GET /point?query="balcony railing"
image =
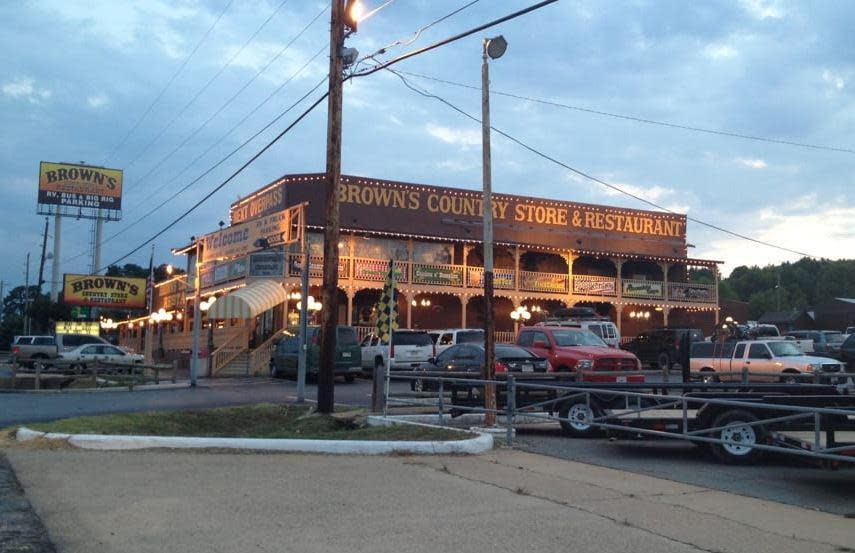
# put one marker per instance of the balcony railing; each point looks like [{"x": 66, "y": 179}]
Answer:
[{"x": 459, "y": 276}]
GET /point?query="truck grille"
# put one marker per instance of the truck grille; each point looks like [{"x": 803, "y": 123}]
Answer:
[
  {"x": 615, "y": 364},
  {"x": 830, "y": 367}
]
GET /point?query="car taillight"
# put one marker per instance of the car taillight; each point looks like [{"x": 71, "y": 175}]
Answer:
[
  {"x": 500, "y": 367},
  {"x": 16, "y": 350}
]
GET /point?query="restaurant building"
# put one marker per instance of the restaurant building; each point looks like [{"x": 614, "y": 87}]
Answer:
[{"x": 630, "y": 265}]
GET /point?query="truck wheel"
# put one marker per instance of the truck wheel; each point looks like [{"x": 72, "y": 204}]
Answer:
[
  {"x": 741, "y": 436},
  {"x": 577, "y": 412},
  {"x": 790, "y": 377},
  {"x": 664, "y": 360}
]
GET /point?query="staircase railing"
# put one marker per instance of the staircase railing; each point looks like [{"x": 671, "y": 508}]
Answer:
[
  {"x": 229, "y": 350},
  {"x": 260, "y": 356}
]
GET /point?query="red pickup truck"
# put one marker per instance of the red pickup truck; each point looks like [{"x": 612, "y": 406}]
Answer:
[{"x": 574, "y": 349}]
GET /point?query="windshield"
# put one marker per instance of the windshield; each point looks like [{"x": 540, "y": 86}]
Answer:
[
  {"x": 470, "y": 337},
  {"x": 509, "y": 352},
  {"x": 784, "y": 349},
  {"x": 834, "y": 337},
  {"x": 411, "y": 339},
  {"x": 577, "y": 338}
]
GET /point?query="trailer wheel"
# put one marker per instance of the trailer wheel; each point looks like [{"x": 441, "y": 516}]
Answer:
[
  {"x": 741, "y": 437},
  {"x": 577, "y": 411}
]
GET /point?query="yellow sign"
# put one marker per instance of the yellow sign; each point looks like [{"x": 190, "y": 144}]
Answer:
[
  {"x": 69, "y": 184},
  {"x": 282, "y": 227},
  {"x": 104, "y": 291},
  {"x": 78, "y": 327}
]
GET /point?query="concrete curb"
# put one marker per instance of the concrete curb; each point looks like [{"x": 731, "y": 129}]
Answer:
[{"x": 479, "y": 444}]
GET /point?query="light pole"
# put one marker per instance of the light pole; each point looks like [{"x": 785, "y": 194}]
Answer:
[
  {"x": 197, "y": 312},
  {"x": 492, "y": 48}
]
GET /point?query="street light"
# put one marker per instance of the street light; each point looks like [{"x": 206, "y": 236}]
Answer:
[{"x": 492, "y": 48}]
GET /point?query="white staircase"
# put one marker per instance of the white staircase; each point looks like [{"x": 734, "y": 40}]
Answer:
[{"x": 239, "y": 366}]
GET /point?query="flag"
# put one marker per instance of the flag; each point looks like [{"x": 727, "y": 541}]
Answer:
[
  {"x": 149, "y": 285},
  {"x": 387, "y": 307}
]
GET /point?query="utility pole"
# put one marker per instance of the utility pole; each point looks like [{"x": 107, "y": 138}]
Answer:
[
  {"x": 329, "y": 314},
  {"x": 304, "y": 320},
  {"x": 42, "y": 262},
  {"x": 54, "y": 267},
  {"x": 493, "y": 48},
  {"x": 27, "y": 297}
]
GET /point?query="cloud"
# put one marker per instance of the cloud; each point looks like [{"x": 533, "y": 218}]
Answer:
[
  {"x": 752, "y": 163},
  {"x": 24, "y": 88},
  {"x": 394, "y": 120},
  {"x": 763, "y": 9},
  {"x": 457, "y": 136},
  {"x": 97, "y": 101},
  {"x": 457, "y": 165},
  {"x": 650, "y": 193},
  {"x": 834, "y": 79},
  {"x": 720, "y": 51}
]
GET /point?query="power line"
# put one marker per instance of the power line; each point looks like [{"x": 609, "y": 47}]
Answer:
[
  {"x": 205, "y": 86},
  {"x": 233, "y": 97},
  {"x": 222, "y": 184},
  {"x": 547, "y": 157},
  {"x": 681, "y": 126},
  {"x": 168, "y": 84}
]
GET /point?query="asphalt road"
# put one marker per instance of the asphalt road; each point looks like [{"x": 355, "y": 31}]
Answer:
[
  {"x": 780, "y": 478},
  {"x": 19, "y": 408}
]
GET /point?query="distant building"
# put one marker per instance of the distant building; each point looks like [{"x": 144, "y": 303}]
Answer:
[
  {"x": 835, "y": 314},
  {"x": 788, "y": 320}
]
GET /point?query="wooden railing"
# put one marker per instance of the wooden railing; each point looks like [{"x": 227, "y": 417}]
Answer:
[
  {"x": 228, "y": 351},
  {"x": 259, "y": 358}
]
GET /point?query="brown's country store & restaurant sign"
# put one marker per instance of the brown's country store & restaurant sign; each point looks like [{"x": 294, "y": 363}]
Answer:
[{"x": 404, "y": 209}]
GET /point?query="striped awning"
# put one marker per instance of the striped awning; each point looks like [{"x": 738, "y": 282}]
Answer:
[{"x": 249, "y": 301}]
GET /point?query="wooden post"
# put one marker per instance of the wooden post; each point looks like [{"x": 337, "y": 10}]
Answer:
[{"x": 175, "y": 370}]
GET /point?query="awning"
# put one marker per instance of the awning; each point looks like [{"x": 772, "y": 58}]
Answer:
[{"x": 249, "y": 301}]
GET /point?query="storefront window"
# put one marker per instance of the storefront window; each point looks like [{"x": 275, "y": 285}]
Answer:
[
  {"x": 432, "y": 252},
  {"x": 380, "y": 248}
]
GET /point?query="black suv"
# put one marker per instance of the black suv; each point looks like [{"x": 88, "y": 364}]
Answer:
[{"x": 662, "y": 347}]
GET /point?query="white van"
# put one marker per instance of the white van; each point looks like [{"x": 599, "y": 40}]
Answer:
[{"x": 444, "y": 339}]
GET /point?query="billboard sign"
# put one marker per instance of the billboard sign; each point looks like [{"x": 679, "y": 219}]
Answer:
[
  {"x": 104, "y": 291},
  {"x": 80, "y": 186},
  {"x": 78, "y": 327},
  {"x": 282, "y": 227}
]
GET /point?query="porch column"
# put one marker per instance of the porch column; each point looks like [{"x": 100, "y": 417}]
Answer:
[
  {"x": 349, "y": 293},
  {"x": 619, "y": 278},
  {"x": 570, "y": 257},
  {"x": 410, "y": 299},
  {"x": 666, "y": 292},
  {"x": 463, "y": 301},
  {"x": 665, "y": 311},
  {"x": 466, "y": 250},
  {"x": 619, "y": 316},
  {"x": 516, "y": 268}
]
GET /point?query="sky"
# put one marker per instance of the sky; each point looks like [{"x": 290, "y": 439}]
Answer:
[{"x": 82, "y": 81}]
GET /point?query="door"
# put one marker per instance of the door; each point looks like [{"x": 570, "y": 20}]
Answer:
[
  {"x": 760, "y": 363},
  {"x": 89, "y": 353},
  {"x": 538, "y": 339}
]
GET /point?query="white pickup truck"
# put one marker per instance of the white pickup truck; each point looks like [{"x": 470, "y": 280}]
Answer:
[
  {"x": 410, "y": 348},
  {"x": 766, "y": 361}
]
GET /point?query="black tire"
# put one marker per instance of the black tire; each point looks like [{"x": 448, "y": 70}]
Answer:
[
  {"x": 577, "y": 410},
  {"x": 737, "y": 453},
  {"x": 349, "y": 378},
  {"x": 663, "y": 360},
  {"x": 790, "y": 377}
]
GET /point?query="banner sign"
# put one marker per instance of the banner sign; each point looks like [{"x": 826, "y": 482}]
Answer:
[
  {"x": 438, "y": 274},
  {"x": 594, "y": 287},
  {"x": 281, "y": 227},
  {"x": 104, "y": 291},
  {"x": 72, "y": 185},
  {"x": 376, "y": 269},
  {"x": 688, "y": 292},
  {"x": 502, "y": 278},
  {"x": 641, "y": 289},
  {"x": 270, "y": 263},
  {"x": 78, "y": 327},
  {"x": 543, "y": 282}
]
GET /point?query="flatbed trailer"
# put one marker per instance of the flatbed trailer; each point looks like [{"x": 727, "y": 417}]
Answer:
[{"x": 738, "y": 422}]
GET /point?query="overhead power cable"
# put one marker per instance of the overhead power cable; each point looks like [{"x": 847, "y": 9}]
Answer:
[
  {"x": 590, "y": 177},
  {"x": 219, "y": 187},
  {"x": 680, "y": 126},
  {"x": 167, "y": 85},
  {"x": 210, "y": 148},
  {"x": 233, "y": 97},
  {"x": 205, "y": 86}
]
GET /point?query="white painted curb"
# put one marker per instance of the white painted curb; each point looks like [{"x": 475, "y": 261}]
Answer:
[{"x": 472, "y": 446}]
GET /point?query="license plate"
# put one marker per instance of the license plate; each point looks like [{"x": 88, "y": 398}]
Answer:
[
  {"x": 621, "y": 379},
  {"x": 345, "y": 354},
  {"x": 527, "y": 368}
]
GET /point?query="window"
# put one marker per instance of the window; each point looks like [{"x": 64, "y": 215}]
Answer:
[
  {"x": 785, "y": 349},
  {"x": 610, "y": 330},
  {"x": 540, "y": 337},
  {"x": 470, "y": 337},
  {"x": 346, "y": 337},
  {"x": 740, "y": 351},
  {"x": 466, "y": 353},
  {"x": 433, "y": 336},
  {"x": 411, "y": 339},
  {"x": 90, "y": 350},
  {"x": 758, "y": 351},
  {"x": 526, "y": 339},
  {"x": 445, "y": 357},
  {"x": 288, "y": 345},
  {"x": 596, "y": 329},
  {"x": 576, "y": 338},
  {"x": 110, "y": 350},
  {"x": 446, "y": 339},
  {"x": 43, "y": 341},
  {"x": 367, "y": 340}
]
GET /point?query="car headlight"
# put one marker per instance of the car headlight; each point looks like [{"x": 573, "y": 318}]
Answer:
[
  {"x": 811, "y": 367},
  {"x": 584, "y": 364}
]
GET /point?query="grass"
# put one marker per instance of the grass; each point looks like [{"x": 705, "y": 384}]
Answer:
[{"x": 253, "y": 421}]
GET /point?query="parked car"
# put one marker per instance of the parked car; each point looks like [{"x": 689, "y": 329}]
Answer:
[
  {"x": 849, "y": 330},
  {"x": 574, "y": 349},
  {"x": 410, "y": 348},
  {"x": 444, "y": 339},
  {"x": 467, "y": 360},
  {"x": 82, "y": 356},
  {"x": 662, "y": 347},
  {"x": 28, "y": 349},
  {"x": 348, "y": 354},
  {"x": 825, "y": 342},
  {"x": 763, "y": 331},
  {"x": 847, "y": 352},
  {"x": 774, "y": 360}
]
